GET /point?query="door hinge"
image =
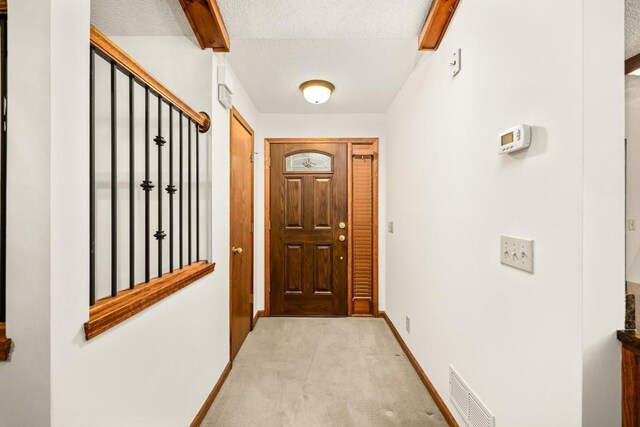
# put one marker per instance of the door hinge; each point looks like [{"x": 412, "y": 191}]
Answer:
[
  {"x": 269, "y": 161},
  {"x": 251, "y": 157},
  {"x": 269, "y": 224}
]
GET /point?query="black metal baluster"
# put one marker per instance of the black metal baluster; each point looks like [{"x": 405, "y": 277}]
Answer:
[
  {"x": 197, "y": 194},
  {"x": 159, "y": 140},
  {"x": 146, "y": 185},
  {"x": 181, "y": 196},
  {"x": 132, "y": 229},
  {"x": 189, "y": 189},
  {"x": 170, "y": 188},
  {"x": 114, "y": 183},
  {"x": 92, "y": 178}
]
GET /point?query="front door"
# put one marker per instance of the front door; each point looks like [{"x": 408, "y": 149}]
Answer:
[
  {"x": 241, "y": 236},
  {"x": 308, "y": 229}
]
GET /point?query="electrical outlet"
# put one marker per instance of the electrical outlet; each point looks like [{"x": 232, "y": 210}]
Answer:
[
  {"x": 407, "y": 325},
  {"x": 390, "y": 227},
  {"x": 632, "y": 224}
]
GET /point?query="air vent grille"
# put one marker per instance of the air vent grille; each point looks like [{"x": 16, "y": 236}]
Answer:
[{"x": 470, "y": 407}]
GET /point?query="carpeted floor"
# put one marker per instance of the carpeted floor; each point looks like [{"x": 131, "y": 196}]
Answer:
[{"x": 307, "y": 372}]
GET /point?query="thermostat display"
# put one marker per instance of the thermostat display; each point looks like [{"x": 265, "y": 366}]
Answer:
[{"x": 514, "y": 139}]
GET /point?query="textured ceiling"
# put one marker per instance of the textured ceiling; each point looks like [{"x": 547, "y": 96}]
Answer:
[
  {"x": 366, "y": 48},
  {"x": 632, "y": 28},
  {"x": 140, "y": 18},
  {"x": 367, "y": 74},
  {"x": 309, "y": 19}
]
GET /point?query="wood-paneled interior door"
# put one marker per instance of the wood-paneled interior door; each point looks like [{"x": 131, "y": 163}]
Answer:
[
  {"x": 241, "y": 231},
  {"x": 308, "y": 226}
]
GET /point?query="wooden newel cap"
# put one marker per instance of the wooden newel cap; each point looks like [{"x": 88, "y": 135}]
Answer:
[{"x": 204, "y": 127}]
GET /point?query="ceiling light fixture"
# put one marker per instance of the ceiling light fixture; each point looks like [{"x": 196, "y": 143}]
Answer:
[{"x": 317, "y": 91}]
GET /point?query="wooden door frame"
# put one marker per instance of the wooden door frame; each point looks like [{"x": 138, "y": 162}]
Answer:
[
  {"x": 373, "y": 144},
  {"x": 236, "y": 114}
]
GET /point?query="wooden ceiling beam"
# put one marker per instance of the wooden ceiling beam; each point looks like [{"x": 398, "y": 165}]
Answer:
[
  {"x": 208, "y": 26},
  {"x": 632, "y": 64},
  {"x": 436, "y": 24}
]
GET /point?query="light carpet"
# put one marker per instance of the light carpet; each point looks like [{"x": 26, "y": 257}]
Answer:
[{"x": 307, "y": 372}]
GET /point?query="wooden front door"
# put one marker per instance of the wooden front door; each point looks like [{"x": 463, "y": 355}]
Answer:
[
  {"x": 241, "y": 238},
  {"x": 308, "y": 229}
]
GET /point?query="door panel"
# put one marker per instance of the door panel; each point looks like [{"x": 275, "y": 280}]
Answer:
[
  {"x": 322, "y": 266},
  {"x": 322, "y": 205},
  {"x": 293, "y": 268},
  {"x": 293, "y": 206},
  {"x": 308, "y": 187},
  {"x": 241, "y": 233}
]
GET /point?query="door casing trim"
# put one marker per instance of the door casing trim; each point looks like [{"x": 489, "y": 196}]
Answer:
[
  {"x": 374, "y": 143},
  {"x": 235, "y": 114}
]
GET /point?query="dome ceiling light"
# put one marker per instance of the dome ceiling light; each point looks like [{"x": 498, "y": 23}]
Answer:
[{"x": 317, "y": 91}]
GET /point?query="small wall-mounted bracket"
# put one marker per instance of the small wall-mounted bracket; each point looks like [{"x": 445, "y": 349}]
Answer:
[{"x": 455, "y": 62}]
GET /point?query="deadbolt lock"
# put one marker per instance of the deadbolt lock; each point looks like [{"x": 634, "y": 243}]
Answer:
[
  {"x": 342, "y": 225},
  {"x": 342, "y": 238}
]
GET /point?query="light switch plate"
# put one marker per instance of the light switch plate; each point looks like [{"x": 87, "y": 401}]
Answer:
[
  {"x": 517, "y": 253},
  {"x": 390, "y": 227}
]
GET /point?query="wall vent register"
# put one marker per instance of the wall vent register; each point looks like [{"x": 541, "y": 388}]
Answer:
[{"x": 473, "y": 411}]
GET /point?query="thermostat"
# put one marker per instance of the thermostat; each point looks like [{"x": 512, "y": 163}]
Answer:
[{"x": 514, "y": 139}]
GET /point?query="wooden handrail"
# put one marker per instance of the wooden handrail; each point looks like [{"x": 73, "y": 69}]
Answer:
[{"x": 113, "y": 51}]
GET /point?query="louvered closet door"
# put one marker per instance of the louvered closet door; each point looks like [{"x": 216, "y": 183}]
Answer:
[
  {"x": 308, "y": 247},
  {"x": 362, "y": 229}
]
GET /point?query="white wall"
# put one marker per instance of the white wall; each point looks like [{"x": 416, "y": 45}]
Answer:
[
  {"x": 25, "y": 381},
  {"x": 172, "y": 352},
  {"x": 516, "y": 338},
  {"x": 310, "y": 126},
  {"x": 603, "y": 216},
  {"x": 175, "y": 350},
  {"x": 632, "y": 124}
]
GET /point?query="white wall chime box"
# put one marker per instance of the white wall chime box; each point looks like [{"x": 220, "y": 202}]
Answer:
[
  {"x": 514, "y": 139},
  {"x": 224, "y": 93}
]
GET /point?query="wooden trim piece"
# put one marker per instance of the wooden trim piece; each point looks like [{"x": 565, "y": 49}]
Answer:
[
  {"x": 108, "y": 312},
  {"x": 361, "y": 146},
  {"x": 259, "y": 314},
  {"x": 5, "y": 343},
  {"x": 202, "y": 413},
  {"x": 350, "y": 303},
  {"x": 630, "y": 387},
  {"x": 130, "y": 65},
  {"x": 207, "y": 24},
  {"x": 267, "y": 227},
  {"x": 423, "y": 376},
  {"x": 435, "y": 26},
  {"x": 235, "y": 114},
  {"x": 321, "y": 140},
  {"x": 632, "y": 64}
]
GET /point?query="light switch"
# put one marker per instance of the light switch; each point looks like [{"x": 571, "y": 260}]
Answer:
[
  {"x": 632, "y": 225},
  {"x": 517, "y": 253},
  {"x": 390, "y": 227}
]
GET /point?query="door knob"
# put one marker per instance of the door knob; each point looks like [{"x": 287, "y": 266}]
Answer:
[
  {"x": 342, "y": 238},
  {"x": 236, "y": 250}
]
